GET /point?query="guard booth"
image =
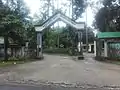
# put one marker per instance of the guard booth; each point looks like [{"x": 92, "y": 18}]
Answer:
[{"x": 107, "y": 45}]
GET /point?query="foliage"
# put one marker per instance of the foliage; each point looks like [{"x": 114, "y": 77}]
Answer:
[
  {"x": 108, "y": 17},
  {"x": 50, "y": 38},
  {"x": 13, "y": 14},
  {"x": 13, "y": 19},
  {"x": 78, "y": 8},
  {"x": 48, "y": 8},
  {"x": 31, "y": 37},
  {"x": 56, "y": 51},
  {"x": 68, "y": 37}
]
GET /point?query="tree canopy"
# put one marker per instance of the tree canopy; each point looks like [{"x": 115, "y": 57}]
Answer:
[
  {"x": 108, "y": 17},
  {"x": 13, "y": 22},
  {"x": 78, "y": 8},
  {"x": 13, "y": 14}
]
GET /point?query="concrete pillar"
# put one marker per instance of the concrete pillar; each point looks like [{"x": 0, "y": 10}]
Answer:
[
  {"x": 95, "y": 48},
  {"x": 79, "y": 42},
  {"x": 39, "y": 44},
  {"x": 105, "y": 49},
  {"x": 80, "y": 51},
  {"x": 79, "y": 45},
  {"x": 89, "y": 48}
]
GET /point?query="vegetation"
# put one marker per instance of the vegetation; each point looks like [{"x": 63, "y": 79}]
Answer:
[
  {"x": 63, "y": 40},
  {"x": 16, "y": 23},
  {"x": 60, "y": 37},
  {"x": 14, "y": 17},
  {"x": 108, "y": 17},
  {"x": 78, "y": 8}
]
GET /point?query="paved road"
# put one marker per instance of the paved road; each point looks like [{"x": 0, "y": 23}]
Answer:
[{"x": 63, "y": 70}]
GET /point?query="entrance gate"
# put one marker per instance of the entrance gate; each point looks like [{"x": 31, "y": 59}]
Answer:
[{"x": 56, "y": 17}]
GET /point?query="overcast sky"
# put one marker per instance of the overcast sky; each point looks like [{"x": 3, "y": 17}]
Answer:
[{"x": 34, "y": 5}]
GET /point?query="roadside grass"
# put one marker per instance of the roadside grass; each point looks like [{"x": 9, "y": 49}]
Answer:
[
  {"x": 113, "y": 62},
  {"x": 9, "y": 63},
  {"x": 108, "y": 60},
  {"x": 14, "y": 61}
]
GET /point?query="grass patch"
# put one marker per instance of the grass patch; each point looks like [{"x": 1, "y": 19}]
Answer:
[
  {"x": 14, "y": 61},
  {"x": 8, "y": 63},
  {"x": 108, "y": 60},
  {"x": 113, "y": 62}
]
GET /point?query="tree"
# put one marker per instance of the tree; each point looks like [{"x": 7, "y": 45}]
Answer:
[
  {"x": 108, "y": 17},
  {"x": 13, "y": 20},
  {"x": 78, "y": 7}
]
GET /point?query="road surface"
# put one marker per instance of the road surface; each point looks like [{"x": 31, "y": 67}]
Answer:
[{"x": 64, "y": 71}]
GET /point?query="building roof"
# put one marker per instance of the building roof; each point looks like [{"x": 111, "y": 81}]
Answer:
[{"x": 108, "y": 35}]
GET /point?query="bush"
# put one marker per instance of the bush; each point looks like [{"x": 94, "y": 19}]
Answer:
[
  {"x": 68, "y": 51},
  {"x": 56, "y": 51}
]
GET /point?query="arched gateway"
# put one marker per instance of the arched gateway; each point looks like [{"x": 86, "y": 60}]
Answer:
[{"x": 56, "y": 17}]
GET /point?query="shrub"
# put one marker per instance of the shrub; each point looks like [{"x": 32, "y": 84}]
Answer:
[
  {"x": 56, "y": 51},
  {"x": 68, "y": 51}
]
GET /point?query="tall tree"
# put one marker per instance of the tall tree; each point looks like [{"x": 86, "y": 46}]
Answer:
[
  {"x": 108, "y": 17},
  {"x": 12, "y": 20},
  {"x": 78, "y": 7}
]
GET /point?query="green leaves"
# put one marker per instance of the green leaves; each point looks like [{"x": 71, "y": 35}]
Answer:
[
  {"x": 107, "y": 18},
  {"x": 10, "y": 19},
  {"x": 78, "y": 8},
  {"x": 13, "y": 21}
]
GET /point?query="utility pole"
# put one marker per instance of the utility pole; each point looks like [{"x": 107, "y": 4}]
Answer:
[
  {"x": 58, "y": 23},
  {"x": 86, "y": 32},
  {"x": 48, "y": 8},
  {"x": 72, "y": 8}
]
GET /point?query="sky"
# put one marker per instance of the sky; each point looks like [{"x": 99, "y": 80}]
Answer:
[{"x": 34, "y": 6}]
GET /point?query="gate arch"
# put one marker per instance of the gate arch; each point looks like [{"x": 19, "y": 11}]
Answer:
[{"x": 51, "y": 20}]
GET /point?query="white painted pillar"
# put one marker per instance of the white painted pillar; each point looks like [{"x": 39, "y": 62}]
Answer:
[
  {"x": 95, "y": 48},
  {"x": 89, "y": 48},
  {"x": 79, "y": 45},
  {"x": 79, "y": 42},
  {"x": 105, "y": 49}
]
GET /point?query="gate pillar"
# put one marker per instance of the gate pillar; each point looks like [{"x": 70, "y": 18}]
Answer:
[
  {"x": 80, "y": 50},
  {"x": 39, "y": 45}
]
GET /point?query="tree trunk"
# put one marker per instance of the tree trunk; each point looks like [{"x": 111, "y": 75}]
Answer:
[{"x": 6, "y": 47}]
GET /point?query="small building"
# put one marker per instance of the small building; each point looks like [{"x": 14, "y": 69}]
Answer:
[{"x": 108, "y": 45}]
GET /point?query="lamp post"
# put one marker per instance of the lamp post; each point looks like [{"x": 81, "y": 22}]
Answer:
[{"x": 39, "y": 42}]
